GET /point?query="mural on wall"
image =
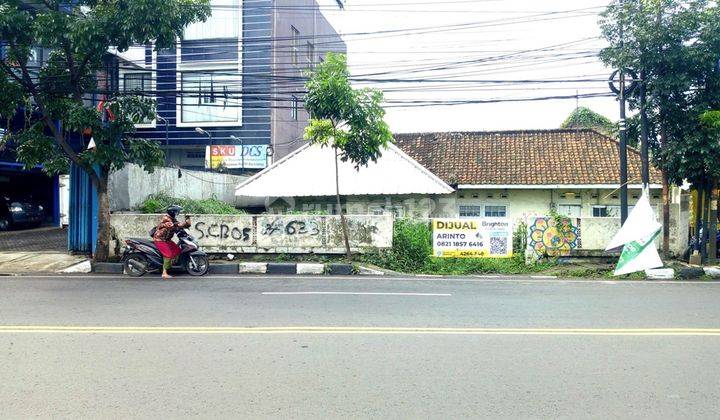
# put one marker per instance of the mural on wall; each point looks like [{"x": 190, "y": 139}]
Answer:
[{"x": 548, "y": 237}]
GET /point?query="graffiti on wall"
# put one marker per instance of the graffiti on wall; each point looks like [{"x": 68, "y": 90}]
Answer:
[
  {"x": 548, "y": 237},
  {"x": 291, "y": 227},
  {"x": 300, "y": 233},
  {"x": 221, "y": 231}
]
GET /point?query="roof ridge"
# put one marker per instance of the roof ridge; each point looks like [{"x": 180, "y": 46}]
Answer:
[{"x": 539, "y": 130}]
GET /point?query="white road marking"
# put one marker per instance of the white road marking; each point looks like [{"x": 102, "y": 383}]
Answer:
[
  {"x": 357, "y": 293},
  {"x": 660, "y": 332}
]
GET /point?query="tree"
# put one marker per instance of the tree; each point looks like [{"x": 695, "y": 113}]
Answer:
[
  {"x": 583, "y": 117},
  {"x": 351, "y": 121},
  {"x": 676, "y": 44},
  {"x": 79, "y": 35}
]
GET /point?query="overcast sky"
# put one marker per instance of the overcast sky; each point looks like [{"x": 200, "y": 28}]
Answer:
[{"x": 465, "y": 44}]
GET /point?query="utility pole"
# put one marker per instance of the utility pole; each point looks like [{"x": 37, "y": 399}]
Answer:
[
  {"x": 622, "y": 90},
  {"x": 623, "y": 153},
  {"x": 644, "y": 147},
  {"x": 623, "y": 131}
]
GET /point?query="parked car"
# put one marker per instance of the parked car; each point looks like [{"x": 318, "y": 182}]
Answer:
[{"x": 20, "y": 212}]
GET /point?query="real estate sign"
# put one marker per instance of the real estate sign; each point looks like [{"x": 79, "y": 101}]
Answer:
[
  {"x": 236, "y": 156},
  {"x": 489, "y": 237}
]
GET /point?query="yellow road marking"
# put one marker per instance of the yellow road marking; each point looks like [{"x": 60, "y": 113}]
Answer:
[{"x": 52, "y": 329}]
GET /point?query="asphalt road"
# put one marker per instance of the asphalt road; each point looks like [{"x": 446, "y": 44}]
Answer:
[{"x": 358, "y": 348}]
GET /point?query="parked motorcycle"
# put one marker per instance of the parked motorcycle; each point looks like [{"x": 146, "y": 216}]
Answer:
[{"x": 141, "y": 256}]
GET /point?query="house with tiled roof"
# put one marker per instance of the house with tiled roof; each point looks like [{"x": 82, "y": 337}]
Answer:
[
  {"x": 502, "y": 174},
  {"x": 519, "y": 173}
]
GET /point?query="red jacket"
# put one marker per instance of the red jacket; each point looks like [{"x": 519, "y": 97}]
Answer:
[{"x": 167, "y": 228}]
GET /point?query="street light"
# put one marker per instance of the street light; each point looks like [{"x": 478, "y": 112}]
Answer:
[{"x": 205, "y": 133}]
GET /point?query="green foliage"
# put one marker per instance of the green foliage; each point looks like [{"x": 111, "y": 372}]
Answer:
[
  {"x": 677, "y": 43},
  {"x": 583, "y": 117},
  {"x": 412, "y": 245},
  {"x": 348, "y": 119},
  {"x": 412, "y": 253},
  {"x": 520, "y": 236},
  {"x": 157, "y": 203},
  {"x": 464, "y": 266},
  {"x": 79, "y": 38},
  {"x": 79, "y": 35}
]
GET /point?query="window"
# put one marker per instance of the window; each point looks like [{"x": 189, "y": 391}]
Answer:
[
  {"x": 294, "y": 108},
  {"x": 207, "y": 97},
  {"x": 570, "y": 210},
  {"x": 137, "y": 82},
  {"x": 397, "y": 211},
  {"x": 614, "y": 210},
  {"x": 310, "y": 54},
  {"x": 195, "y": 154},
  {"x": 224, "y": 22},
  {"x": 470, "y": 211},
  {"x": 495, "y": 211},
  {"x": 600, "y": 211},
  {"x": 295, "y": 53}
]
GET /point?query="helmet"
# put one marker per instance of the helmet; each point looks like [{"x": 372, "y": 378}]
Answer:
[{"x": 173, "y": 210}]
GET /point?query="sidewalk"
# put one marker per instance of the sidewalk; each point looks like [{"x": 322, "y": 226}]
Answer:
[
  {"x": 36, "y": 262},
  {"x": 44, "y": 239}
]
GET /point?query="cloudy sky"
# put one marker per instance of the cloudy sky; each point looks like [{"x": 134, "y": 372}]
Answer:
[{"x": 429, "y": 54}]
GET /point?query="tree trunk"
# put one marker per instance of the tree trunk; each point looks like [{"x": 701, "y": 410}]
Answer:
[
  {"x": 343, "y": 221},
  {"x": 666, "y": 202},
  {"x": 712, "y": 226},
  {"x": 699, "y": 235},
  {"x": 666, "y": 215},
  {"x": 102, "y": 246}
]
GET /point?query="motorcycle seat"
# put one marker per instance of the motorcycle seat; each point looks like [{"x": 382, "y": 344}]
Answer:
[{"x": 144, "y": 241}]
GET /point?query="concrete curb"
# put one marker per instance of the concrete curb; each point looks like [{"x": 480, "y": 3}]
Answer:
[
  {"x": 83, "y": 267},
  {"x": 260, "y": 268},
  {"x": 310, "y": 268},
  {"x": 341, "y": 269},
  {"x": 281, "y": 268},
  {"x": 223, "y": 269},
  {"x": 691, "y": 272},
  {"x": 107, "y": 268},
  {"x": 713, "y": 272},
  {"x": 252, "y": 268}
]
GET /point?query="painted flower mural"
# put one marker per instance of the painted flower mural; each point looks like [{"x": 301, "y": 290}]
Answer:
[{"x": 553, "y": 238}]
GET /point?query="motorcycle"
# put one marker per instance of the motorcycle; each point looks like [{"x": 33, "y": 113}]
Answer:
[{"x": 141, "y": 256}]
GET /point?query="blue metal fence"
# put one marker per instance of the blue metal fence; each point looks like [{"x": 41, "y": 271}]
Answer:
[{"x": 82, "y": 225}]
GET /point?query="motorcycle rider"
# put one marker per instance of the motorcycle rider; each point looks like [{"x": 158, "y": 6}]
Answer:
[{"x": 164, "y": 232}]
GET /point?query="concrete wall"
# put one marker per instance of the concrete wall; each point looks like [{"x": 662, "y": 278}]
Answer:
[
  {"x": 131, "y": 185},
  {"x": 269, "y": 233},
  {"x": 594, "y": 233}
]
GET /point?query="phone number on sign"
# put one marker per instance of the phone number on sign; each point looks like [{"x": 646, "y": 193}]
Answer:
[{"x": 460, "y": 244}]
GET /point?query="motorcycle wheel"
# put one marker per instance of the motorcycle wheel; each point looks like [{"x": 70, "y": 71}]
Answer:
[
  {"x": 135, "y": 265},
  {"x": 201, "y": 267}
]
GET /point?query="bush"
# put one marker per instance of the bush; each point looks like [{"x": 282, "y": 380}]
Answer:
[
  {"x": 412, "y": 253},
  {"x": 412, "y": 245},
  {"x": 411, "y": 250},
  {"x": 520, "y": 237},
  {"x": 157, "y": 203}
]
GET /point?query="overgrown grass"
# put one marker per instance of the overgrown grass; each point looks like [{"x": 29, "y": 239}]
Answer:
[
  {"x": 412, "y": 253},
  {"x": 157, "y": 203}
]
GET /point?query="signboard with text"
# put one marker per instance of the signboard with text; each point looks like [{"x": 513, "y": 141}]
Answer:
[
  {"x": 489, "y": 237},
  {"x": 252, "y": 156}
]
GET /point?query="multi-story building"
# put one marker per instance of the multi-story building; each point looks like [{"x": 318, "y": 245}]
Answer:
[{"x": 236, "y": 79}]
